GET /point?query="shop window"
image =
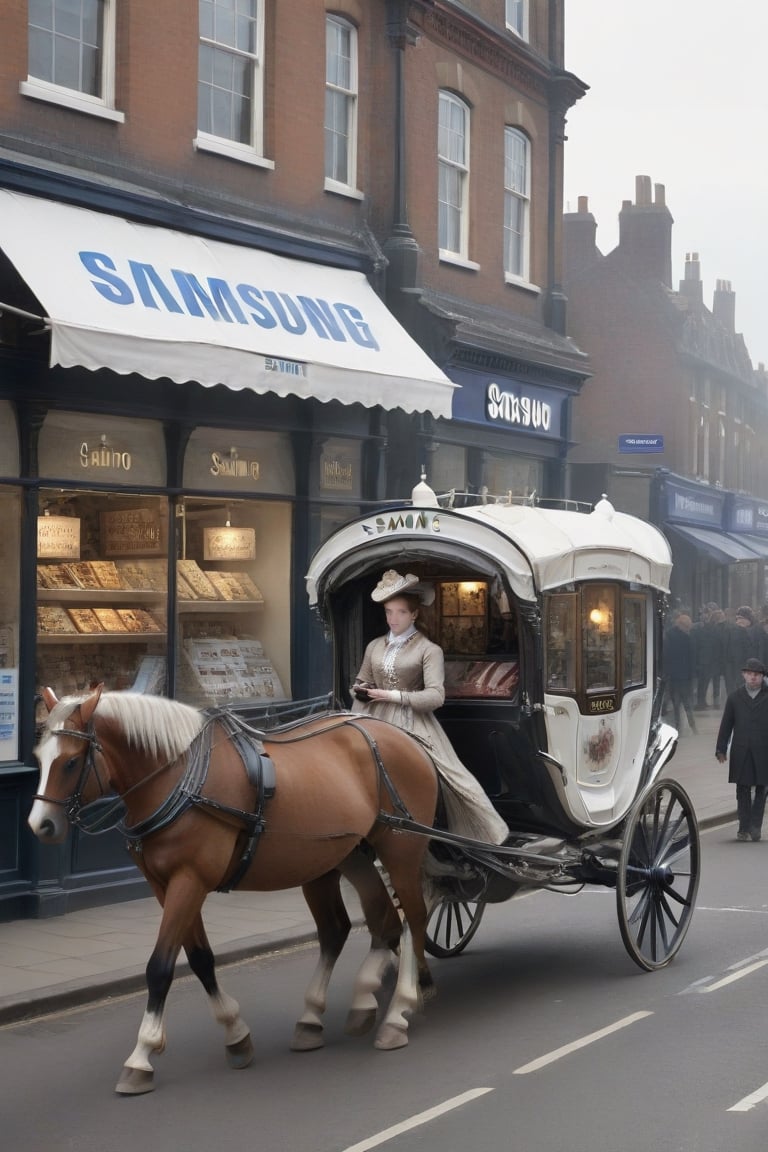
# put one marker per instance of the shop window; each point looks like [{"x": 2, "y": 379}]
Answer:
[
  {"x": 102, "y": 575},
  {"x": 10, "y": 542},
  {"x": 519, "y": 475},
  {"x": 233, "y": 601},
  {"x": 448, "y": 469}
]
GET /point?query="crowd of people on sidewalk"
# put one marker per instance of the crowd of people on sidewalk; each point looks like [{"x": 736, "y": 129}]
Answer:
[
  {"x": 721, "y": 662},
  {"x": 703, "y": 660}
]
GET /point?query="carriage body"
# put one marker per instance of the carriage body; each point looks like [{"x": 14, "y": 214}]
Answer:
[{"x": 550, "y": 621}]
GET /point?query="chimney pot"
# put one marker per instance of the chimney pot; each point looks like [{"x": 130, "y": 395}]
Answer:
[
  {"x": 659, "y": 195},
  {"x": 583, "y": 205},
  {"x": 643, "y": 191}
]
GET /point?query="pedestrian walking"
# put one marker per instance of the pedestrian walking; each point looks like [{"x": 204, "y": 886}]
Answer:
[
  {"x": 744, "y": 641},
  {"x": 707, "y": 640},
  {"x": 679, "y": 669},
  {"x": 745, "y": 727}
]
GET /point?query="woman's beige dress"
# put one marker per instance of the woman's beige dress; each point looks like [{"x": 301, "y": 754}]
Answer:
[{"x": 415, "y": 668}]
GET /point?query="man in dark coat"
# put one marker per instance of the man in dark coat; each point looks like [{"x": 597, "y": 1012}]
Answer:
[
  {"x": 745, "y": 725},
  {"x": 678, "y": 668}
]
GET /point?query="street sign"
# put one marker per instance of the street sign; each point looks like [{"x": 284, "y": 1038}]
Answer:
[{"x": 641, "y": 443}]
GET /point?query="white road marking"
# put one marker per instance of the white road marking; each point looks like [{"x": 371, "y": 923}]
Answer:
[
  {"x": 418, "y": 1120},
  {"x": 566, "y": 1050},
  {"x": 746, "y": 971},
  {"x": 750, "y": 1101}
]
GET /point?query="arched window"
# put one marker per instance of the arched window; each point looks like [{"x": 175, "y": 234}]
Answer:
[
  {"x": 517, "y": 182},
  {"x": 453, "y": 175}
]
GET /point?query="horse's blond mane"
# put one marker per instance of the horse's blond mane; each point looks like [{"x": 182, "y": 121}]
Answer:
[{"x": 164, "y": 728}]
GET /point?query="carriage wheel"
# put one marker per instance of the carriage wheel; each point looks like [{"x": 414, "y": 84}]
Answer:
[
  {"x": 658, "y": 874},
  {"x": 452, "y": 923}
]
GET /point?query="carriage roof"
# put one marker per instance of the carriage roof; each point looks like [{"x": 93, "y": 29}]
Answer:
[{"x": 539, "y": 548}]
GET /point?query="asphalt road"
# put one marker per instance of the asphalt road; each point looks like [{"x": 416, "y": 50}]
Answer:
[{"x": 545, "y": 1037}]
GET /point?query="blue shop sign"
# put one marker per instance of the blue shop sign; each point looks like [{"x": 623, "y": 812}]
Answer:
[
  {"x": 505, "y": 403},
  {"x": 693, "y": 504},
  {"x": 641, "y": 443}
]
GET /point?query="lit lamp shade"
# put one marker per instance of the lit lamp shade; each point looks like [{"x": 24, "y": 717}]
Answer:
[
  {"x": 58, "y": 538},
  {"x": 229, "y": 543}
]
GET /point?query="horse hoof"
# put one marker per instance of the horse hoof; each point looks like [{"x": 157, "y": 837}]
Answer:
[
  {"x": 135, "y": 1082},
  {"x": 240, "y": 1055},
  {"x": 389, "y": 1038},
  {"x": 360, "y": 1021},
  {"x": 307, "y": 1037}
]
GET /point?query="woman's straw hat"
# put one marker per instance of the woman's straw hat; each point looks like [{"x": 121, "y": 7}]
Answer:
[{"x": 393, "y": 583}]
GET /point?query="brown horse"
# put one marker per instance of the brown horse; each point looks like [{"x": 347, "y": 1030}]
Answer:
[{"x": 194, "y": 802}]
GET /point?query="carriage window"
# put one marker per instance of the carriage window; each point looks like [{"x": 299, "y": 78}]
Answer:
[
  {"x": 634, "y": 641},
  {"x": 560, "y": 643},
  {"x": 599, "y": 646}
]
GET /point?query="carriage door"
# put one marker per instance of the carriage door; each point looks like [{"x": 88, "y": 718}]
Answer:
[{"x": 598, "y": 691}]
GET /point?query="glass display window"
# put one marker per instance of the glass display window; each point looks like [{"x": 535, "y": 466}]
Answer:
[
  {"x": 448, "y": 469},
  {"x": 10, "y": 543},
  {"x": 473, "y": 623},
  {"x": 519, "y": 475},
  {"x": 9, "y": 440},
  {"x": 102, "y": 580},
  {"x": 233, "y": 601}
]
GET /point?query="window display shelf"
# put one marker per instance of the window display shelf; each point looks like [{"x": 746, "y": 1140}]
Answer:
[
  {"x": 101, "y": 638},
  {"x": 90, "y": 596},
  {"x": 218, "y": 607}
]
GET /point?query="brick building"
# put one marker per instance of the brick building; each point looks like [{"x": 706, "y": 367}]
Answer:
[
  {"x": 671, "y": 422},
  {"x": 259, "y": 262}
]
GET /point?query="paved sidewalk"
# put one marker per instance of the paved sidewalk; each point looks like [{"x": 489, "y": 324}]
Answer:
[{"x": 58, "y": 963}]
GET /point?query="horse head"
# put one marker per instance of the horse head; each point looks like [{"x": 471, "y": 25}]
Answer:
[{"x": 69, "y": 777}]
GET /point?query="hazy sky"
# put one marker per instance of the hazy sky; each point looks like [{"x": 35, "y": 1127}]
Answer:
[{"x": 678, "y": 92}]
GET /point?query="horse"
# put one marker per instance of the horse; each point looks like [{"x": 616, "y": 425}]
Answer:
[{"x": 193, "y": 789}]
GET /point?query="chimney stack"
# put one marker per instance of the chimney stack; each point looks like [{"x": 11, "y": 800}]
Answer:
[
  {"x": 724, "y": 305},
  {"x": 691, "y": 287},
  {"x": 645, "y": 233},
  {"x": 579, "y": 232}
]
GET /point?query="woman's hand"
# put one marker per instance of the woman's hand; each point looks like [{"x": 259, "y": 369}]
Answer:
[{"x": 383, "y": 695}]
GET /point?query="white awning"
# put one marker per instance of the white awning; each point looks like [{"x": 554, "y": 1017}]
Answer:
[{"x": 137, "y": 298}]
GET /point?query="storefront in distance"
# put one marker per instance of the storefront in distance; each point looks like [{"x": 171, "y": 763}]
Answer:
[{"x": 182, "y": 421}]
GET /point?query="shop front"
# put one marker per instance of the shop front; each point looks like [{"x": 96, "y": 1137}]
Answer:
[
  {"x": 710, "y": 562},
  {"x": 182, "y": 422}
]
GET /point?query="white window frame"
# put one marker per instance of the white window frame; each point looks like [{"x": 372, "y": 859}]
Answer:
[
  {"x": 516, "y": 17},
  {"x": 252, "y": 152},
  {"x": 519, "y": 191},
  {"x": 458, "y": 166},
  {"x": 346, "y": 187},
  {"x": 102, "y": 106}
]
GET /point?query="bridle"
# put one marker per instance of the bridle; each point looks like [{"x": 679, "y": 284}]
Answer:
[{"x": 73, "y": 805}]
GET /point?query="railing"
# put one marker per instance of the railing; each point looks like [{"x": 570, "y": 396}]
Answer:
[{"x": 266, "y": 716}]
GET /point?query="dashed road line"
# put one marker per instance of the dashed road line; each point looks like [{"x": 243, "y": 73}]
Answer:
[
  {"x": 749, "y": 1102},
  {"x": 418, "y": 1120},
  {"x": 575, "y": 1045}
]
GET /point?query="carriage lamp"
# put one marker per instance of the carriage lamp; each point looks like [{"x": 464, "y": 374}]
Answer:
[{"x": 58, "y": 537}]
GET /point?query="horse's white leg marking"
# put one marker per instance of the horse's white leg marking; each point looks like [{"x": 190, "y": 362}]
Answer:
[
  {"x": 362, "y": 1012},
  {"x": 308, "y": 1033},
  {"x": 226, "y": 1011},
  {"x": 316, "y": 995},
  {"x": 393, "y": 1032},
  {"x": 151, "y": 1039}
]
